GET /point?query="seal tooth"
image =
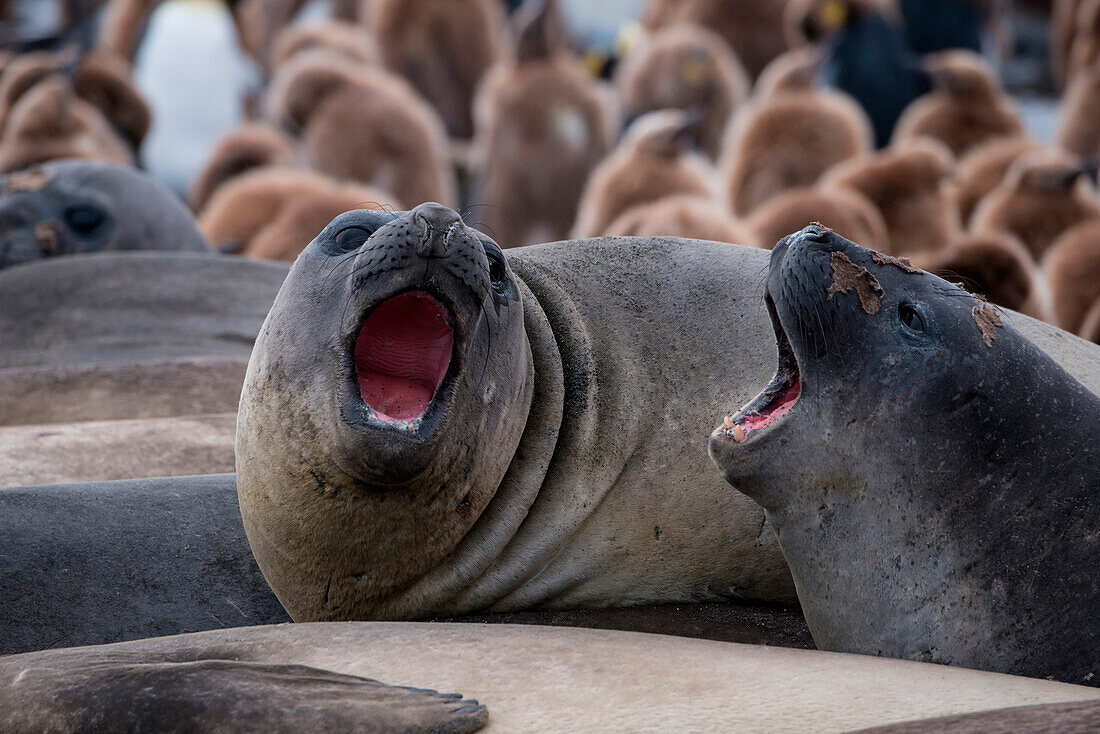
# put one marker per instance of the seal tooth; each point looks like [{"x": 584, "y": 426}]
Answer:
[
  {"x": 739, "y": 434},
  {"x": 727, "y": 422}
]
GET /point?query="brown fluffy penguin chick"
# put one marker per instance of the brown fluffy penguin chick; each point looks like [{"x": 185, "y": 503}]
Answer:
[
  {"x": 1044, "y": 193},
  {"x": 983, "y": 168},
  {"x": 363, "y": 124},
  {"x": 689, "y": 68},
  {"x": 443, "y": 47},
  {"x": 542, "y": 126},
  {"x": 651, "y": 161},
  {"x": 845, "y": 211},
  {"x": 346, "y": 39},
  {"x": 993, "y": 265},
  {"x": 966, "y": 107},
  {"x": 808, "y": 22},
  {"x": 273, "y": 213},
  {"x": 1063, "y": 31},
  {"x": 789, "y": 142},
  {"x": 258, "y": 22},
  {"x": 684, "y": 215},
  {"x": 1073, "y": 273},
  {"x": 1090, "y": 327},
  {"x": 1079, "y": 127},
  {"x": 252, "y": 145},
  {"x": 910, "y": 186},
  {"x": 752, "y": 28},
  {"x": 796, "y": 71},
  {"x": 1085, "y": 50},
  {"x": 121, "y": 25}
]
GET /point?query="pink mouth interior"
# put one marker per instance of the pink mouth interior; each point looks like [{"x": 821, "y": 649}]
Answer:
[
  {"x": 783, "y": 403},
  {"x": 402, "y": 355}
]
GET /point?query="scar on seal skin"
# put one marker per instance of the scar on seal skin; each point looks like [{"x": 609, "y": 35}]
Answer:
[
  {"x": 31, "y": 179},
  {"x": 902, "y": 262},
  {"x": 987, "y": 319},
  {"x": 847, "y": 275}
]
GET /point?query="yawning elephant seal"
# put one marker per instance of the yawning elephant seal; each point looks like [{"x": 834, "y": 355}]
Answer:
[
  {"x": 931, "y": 473},
  {"x": 428, "y": 428}
]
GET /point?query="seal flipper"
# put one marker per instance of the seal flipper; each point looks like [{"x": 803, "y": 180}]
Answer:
[{"x": 65, "y": 695}]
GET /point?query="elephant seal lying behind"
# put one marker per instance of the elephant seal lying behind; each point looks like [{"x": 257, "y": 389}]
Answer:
[
  {"x": 131, "y": 306},
  {"x": 531, "y": 679},
  {"x": 931, "y": 472},
  {"x": 93, "y": 451},
  {"x": 74, "y": 207},
  {"x": 428, "y": 428}
]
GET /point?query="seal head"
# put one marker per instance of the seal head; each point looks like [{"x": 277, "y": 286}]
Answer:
[
  {"x": 395, "y": 364},
  {"x": 929, "y": 471}
]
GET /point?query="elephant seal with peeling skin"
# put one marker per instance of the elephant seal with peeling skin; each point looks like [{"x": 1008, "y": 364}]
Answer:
[
  {"x": 530, "y": 679},
  {"x": 74, "y": 207},
  {"x": 428, "y": 428},
  {"x": 931, "y": 473}
]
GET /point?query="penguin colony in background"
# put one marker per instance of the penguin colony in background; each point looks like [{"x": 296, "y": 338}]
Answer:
[{"x": 727, "y": 120}]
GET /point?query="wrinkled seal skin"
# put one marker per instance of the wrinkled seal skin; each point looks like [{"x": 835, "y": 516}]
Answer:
[
  {"x": 80, "y": 206},
  {"x": 558, "y": 467},
  {"x": 935, "y": 497}
]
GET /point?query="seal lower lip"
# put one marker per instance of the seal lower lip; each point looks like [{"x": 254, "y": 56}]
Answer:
[
  {"x": 402, "y": 354},
  {"x": 777, "y": 399}
]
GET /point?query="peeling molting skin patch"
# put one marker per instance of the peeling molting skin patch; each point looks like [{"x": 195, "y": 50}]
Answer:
[
  {"x": 847, "y": 275},
  {"x": 32, "y": 179},
  {"x": 46, "y": 234},
  {"x": 902, "y": 262},
  {"x": 987, "y": 319}
]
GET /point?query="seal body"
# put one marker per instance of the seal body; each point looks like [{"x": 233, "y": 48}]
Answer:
[
  {"x": 553, "y": 465},
  {"x": 942, "y": 505},
  {"x": 531, "y": 679}
]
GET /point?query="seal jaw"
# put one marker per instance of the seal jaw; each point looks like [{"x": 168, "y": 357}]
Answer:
[{"x": 774, "y": 401}]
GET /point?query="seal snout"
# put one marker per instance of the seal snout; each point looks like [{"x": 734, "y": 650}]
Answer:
[{"x": 436, "y": 226}]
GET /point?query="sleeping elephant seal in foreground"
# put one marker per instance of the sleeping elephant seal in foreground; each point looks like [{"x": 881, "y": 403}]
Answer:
[
  {"x": 315, "y": 677},
  {"x": 82, "y": 206},
  {"x": 429, "y": 428},
  {"x": 931, "y": 473}
]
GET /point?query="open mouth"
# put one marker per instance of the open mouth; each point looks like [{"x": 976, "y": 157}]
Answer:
[
  {"x": 402, "y": 354},
  {"x": 777, "y": 399}
]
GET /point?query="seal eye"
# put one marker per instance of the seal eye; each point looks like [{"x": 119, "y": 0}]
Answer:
[
  {"x": 911, "y": 317},
  {"x": 84, "y": 219},
  {"x": 351, "y": 237},
  {"x": 497, "y": 274}
]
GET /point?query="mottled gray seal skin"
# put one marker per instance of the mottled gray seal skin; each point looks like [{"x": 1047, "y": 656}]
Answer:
[
  {"x": 550, "y": 466},
  {"x": 74, "y": 207},
  {"x": 133, "y": 306},
  {"x": 931, "y": 473},
  {"x": 108, "y": 561}
]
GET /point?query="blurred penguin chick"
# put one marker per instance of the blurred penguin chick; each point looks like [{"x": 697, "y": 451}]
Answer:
[
  {"x": 363, "y": 124},
  {"x": 910, "y": 185},
  {"x": 843, "y": 210},
  {"x": 682, "y": 215},
  {"x": 50, "y": 109},
  {"x": 542, "y": 126},
  {"x": 797, "y": 70},
  {"x": 346, "y": 39},
  {"x": 653, "y": 160},
  {"x": 252, "y": 145},
  {"x": 993, "y": 265},
  {"x": 983, "y": 168},
  {"x": 789, "y": 142},
  {"x": 1044, "y": 193},
  {"x": 273, "y": 213},
  {"x": 688, "y": 68},
  {"x": 442, "y": 47},
  {"x": 1073, "y": 272},
  {"x": 1079, "y": 127},
  {"x": 965, "y": 108},
  {"x": 754, "y": 29}
]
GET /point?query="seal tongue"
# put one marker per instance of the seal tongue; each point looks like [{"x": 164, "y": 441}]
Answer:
[{"x": 402, "y": 355}]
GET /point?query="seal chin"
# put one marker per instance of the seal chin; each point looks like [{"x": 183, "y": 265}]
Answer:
[
  {"x": 776, "y": 400},
  {"x": 403, "y": 353}
]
